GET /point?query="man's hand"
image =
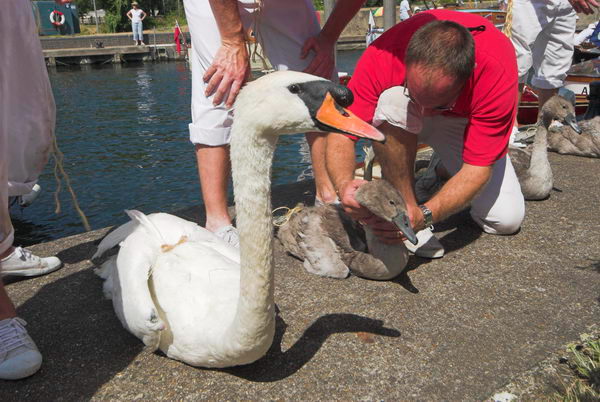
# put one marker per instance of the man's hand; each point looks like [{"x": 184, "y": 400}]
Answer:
[
  {"x": 228, "y": 72},
  {"x": 386, "y": 232},
  {"x": 416, "y": 218},
  {"x": 324, "y": 61},
  {"x": 584, "y": 6},
  {"x": 351, "y": 206}
]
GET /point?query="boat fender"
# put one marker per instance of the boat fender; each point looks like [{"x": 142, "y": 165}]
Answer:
[{"x": 57, "y": 18}]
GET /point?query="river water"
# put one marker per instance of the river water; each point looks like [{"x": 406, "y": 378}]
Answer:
[{"x": 123, "y": 131}]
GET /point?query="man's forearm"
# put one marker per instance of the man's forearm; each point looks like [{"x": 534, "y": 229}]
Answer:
[
  {"x": 459, "y": 191},
  {"x": 341, "y": 15},
  {"x": 228, "y": 20},
  {"x": 340, "y": 159}
]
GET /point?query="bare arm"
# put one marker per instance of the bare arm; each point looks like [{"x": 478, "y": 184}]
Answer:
[
  {"x": 231, "y": 66},
  {"x": 324, "y": 43},
  {"x": 457, "y": 193},
  {"x": 129, "y": 14},
  {"x": 143, "y": 15},
  {"x": 340, "y": 167}
]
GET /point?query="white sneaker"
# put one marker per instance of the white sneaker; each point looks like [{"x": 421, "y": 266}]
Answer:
[
  {"x": 23, "y": 262},
  {"x": 230, "y": 234},
  {"x": 427, "y": 247},
  {"x": 19, "y": 357}
]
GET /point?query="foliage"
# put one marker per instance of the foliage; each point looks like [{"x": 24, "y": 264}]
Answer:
[
  {"x": 320, "y": 4},
  {"x": 166, "y": 23},
  {"x": 160, "y": 13},
  {"x": 116, "y": 19},
  {"x": 584, "y": 362}
]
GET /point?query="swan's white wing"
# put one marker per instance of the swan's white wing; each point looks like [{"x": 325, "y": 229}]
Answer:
[
  {"x": 163, "y": 248},
  {"x": 115, "y": 237},
  {"x": 131, "y": 296},
  {"x": 196, "y": 289}
]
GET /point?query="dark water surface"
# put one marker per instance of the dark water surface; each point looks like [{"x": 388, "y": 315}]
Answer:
[{"x": 123, "y": 131}]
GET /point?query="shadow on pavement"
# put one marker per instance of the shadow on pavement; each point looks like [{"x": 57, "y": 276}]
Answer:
[
  {"x": 277, "y": 364},
  {"x": 82, "y": 342}
]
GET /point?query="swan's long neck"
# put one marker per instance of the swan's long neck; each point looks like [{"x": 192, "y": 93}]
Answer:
[
  {"x": 251, "y": 155},
  {"x": 539, "y": 164}
]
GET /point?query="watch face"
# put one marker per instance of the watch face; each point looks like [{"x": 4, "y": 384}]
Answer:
[{"x": 427, "y": 215}]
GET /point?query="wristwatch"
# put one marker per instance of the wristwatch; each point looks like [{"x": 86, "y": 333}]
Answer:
[{"x": 427, "y": 216}]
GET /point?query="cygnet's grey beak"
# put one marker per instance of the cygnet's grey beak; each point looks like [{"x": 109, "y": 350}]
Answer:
[
  {"x": 571, "y": 121},
  {"x": 403, "y": 224}
]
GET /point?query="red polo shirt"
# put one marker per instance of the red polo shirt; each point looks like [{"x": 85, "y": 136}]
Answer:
[{"x": 488, "y": 100}]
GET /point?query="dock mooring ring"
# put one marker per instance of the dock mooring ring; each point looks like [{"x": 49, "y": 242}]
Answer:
[{"x": 53, "y": 18}]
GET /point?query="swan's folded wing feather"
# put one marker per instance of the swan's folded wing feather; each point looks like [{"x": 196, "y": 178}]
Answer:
[{"x": 197, "y": 289}]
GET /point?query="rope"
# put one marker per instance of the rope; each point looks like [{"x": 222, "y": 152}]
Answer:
[
  {"x": 258, "y": 36},
  {"x": 507, "y": 29},
  {"x": 60, "y": 170},
  {"x": 283, "y": 219}
]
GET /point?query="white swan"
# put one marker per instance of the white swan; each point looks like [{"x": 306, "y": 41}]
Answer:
[{"x": 182, "y": 290}]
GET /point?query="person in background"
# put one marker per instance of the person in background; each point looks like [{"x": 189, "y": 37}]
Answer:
[
  {"x": 405, "y": 11},
  {"x": 291, "y": 38},
  {"x": 447, "y": 79},
  {"x": 27, "y": 117},
  {"x": 543, "y": 36},
  {"x": 137, "y": 15}
]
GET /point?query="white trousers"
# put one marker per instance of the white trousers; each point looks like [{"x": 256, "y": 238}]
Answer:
[
  {"x": 500, "y": 207},
  {"x": 27, "y": 111},
  {"x": 281, "y": 27},
  {"x": 543, "y": 36}
]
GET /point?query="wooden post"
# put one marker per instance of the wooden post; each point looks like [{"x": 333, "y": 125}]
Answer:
[{"x": 389, "y": 14}]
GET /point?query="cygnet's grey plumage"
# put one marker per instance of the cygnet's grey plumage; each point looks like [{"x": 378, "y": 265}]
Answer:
[
  {"x": 531, "y": 164},
  {"x": 329, "y": 242},
  {"x": 565, "y": 140}
]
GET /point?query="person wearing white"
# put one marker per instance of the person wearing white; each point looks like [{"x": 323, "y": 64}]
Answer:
[
  {"x": 291, "y": 38},
  {"x": 27, "y": 116},
  {"x": 405, "y": 11},
  {"x": 543, "y": 36},
  {"x": 137, "y": 15}
]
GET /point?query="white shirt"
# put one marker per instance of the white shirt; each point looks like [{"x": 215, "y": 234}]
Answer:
[
  {"x": 404, "y": 9},
  {"x": 136, "y": 14}
]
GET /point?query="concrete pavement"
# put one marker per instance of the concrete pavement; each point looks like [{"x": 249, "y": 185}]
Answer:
[{"x": 459, "y": 328}]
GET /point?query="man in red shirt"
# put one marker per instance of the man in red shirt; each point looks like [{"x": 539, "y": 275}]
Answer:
[{"x": 447, "y": 79}]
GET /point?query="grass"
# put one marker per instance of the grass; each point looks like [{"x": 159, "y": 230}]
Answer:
[{"x": 584, "y": 366}]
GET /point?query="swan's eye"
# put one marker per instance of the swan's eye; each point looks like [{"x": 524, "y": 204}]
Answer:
[{"x": 294, "y": 88}]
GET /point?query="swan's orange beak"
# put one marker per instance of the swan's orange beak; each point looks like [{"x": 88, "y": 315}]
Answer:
[{"x": 345, "y": 121}]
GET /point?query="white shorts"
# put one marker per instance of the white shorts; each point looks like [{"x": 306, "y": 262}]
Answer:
[
  {"x": 27, "y": 111},
  {"x": 281, "y": 27},
  {"x": 500, "y": 207},
  {"x": 543, "y": 36}
]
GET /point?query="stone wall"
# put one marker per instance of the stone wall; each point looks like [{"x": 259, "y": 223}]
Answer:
[{"x": 121, "y": 39}]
